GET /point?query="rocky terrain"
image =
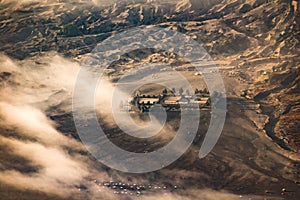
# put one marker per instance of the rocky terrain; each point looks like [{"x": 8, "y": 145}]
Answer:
[{"x": 256, "y": 44}]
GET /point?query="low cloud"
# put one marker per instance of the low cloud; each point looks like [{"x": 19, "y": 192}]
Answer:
[
  {"x": 33, "y": 123},
  {"x": 58, "y": 172},
  {"x": 61, "y": 168}
]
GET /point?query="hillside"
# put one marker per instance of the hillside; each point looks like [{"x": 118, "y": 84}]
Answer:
[{"x": 255, "y": 44}]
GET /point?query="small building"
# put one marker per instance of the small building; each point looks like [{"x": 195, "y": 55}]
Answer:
[
  {"x": 200, "y": 101},
  {"x": 149, "y": 100},
  {"x": 183, "y": 101},
  {"x": 171, "y": 100}
]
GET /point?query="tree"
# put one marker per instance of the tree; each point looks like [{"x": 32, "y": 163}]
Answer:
[
  {"x": 208, "y": 103},
  {"x": 165, "y": 92},
  {"x": 173, "y": 90},
  {"x": 196, "y": 91},
  {"x": 187, "y": 92},
  {"x": 180, "y": 91}
]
